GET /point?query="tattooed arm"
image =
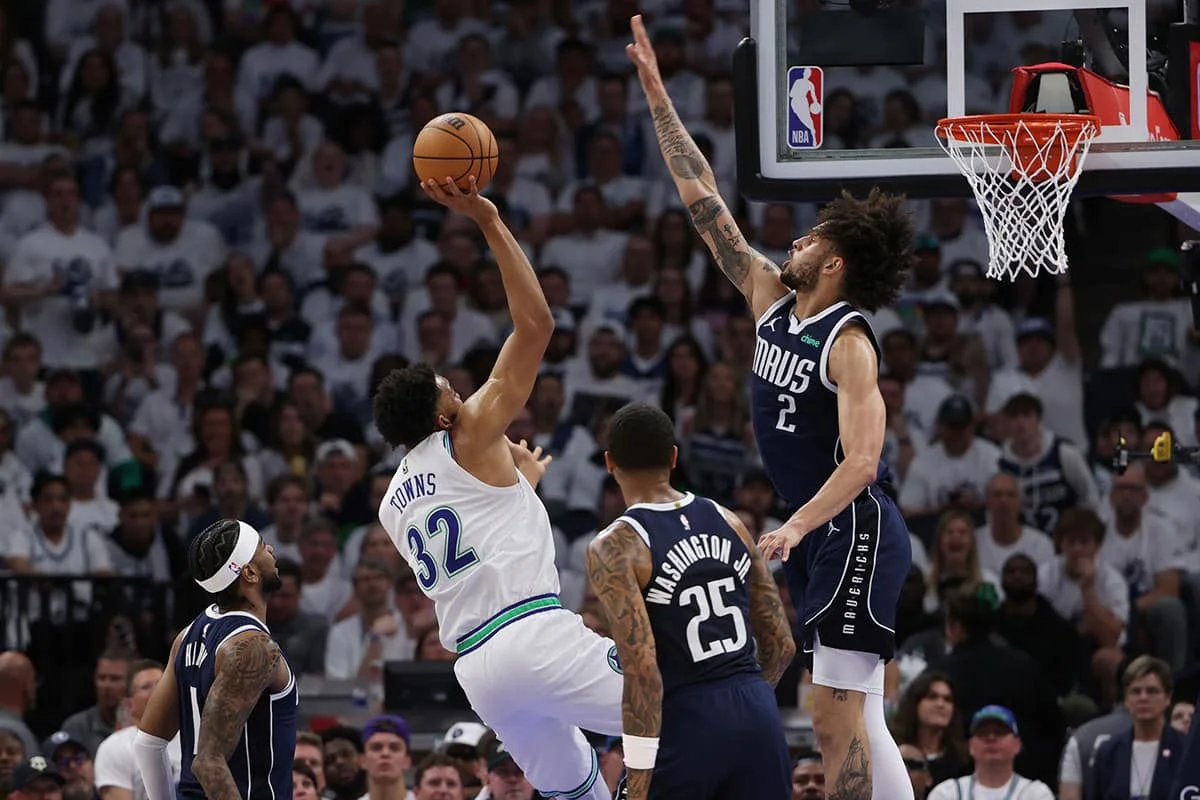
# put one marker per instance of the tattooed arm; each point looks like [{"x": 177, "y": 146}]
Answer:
[
  {"x": 247, "y": 665},
  {"x": 618, "y": 565},
  {"x": 751, "y": 272},
  {"x": 776, "y": 647}
]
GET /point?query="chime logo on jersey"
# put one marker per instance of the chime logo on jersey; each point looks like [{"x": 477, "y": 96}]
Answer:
[{"x": 806, "y": 101}]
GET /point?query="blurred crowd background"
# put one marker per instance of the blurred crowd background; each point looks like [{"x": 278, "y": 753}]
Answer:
[{"x": 211, "y": 252}]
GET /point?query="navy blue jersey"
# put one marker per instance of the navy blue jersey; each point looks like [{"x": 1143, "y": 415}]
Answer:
[
  {"x": 262, "y": 760},
  {"x": 697, "y": 598},
  {"x": 1045, "y": 492},
  {"x": 794, "y": 403}
]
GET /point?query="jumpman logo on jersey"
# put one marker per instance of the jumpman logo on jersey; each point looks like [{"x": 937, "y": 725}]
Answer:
[
  {"x": 832, "y": 529},
  {"x": 771, "y": 324}
]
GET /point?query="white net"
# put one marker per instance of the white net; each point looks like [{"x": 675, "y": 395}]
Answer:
[{"x": 1022, "y": 170}]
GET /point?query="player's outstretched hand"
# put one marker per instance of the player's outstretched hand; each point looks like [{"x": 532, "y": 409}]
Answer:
[
  {"x": 779, "y": 543},
  {"x": 471, "y": 204},
  {"x": 641, "y": 53},
  {"x": 532, "y": 463}
]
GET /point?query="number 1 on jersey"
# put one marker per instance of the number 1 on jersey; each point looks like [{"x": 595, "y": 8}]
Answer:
[{"x": 443, "y": 520}]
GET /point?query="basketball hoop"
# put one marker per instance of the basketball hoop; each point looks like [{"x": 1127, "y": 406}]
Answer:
[{"x": 1022, "y": 169}]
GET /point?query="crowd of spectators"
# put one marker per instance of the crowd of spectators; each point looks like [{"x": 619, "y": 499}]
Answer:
[{"x": 212, "y": 252}]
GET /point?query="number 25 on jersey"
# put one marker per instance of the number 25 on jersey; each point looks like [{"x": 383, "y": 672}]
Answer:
[
  {"x": 440, "y": 534},
  {"x": 709, "y": 602}
]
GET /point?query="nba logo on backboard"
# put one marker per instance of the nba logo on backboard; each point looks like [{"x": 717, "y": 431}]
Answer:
[{"x": 806, "y": 100}]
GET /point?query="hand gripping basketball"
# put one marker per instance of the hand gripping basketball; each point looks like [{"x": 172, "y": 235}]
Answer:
[{"x": 470, "y": 203}]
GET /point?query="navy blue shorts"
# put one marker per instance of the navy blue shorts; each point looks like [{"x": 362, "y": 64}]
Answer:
[
  {"x": 846, "y": 578},
  {"x": 722, "y": 741}
]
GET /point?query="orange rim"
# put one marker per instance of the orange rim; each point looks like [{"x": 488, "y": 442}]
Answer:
[
  {"x": 1040, "y": 126},
  {"x": 1024, "y": 136}
]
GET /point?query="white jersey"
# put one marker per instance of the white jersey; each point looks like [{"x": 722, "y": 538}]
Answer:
[{"x": 477, "y": 549}]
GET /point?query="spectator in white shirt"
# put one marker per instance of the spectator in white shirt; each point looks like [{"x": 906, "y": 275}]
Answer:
[
  {"x": 1049, "y": 359},
  {"x": 476, "y": 87},
  {"x": 1159, "y": 399},
  {"x": 1175, "y": 494},
  {"x": 323, "y": 591},
  {"x": 1090, "y": 594},
  {"x": 1144, "y": 547},
  {"x": 60, "y": 277},
  {"x": 359, "y": 645},
  {"x": 92, "y": 510},
  {"x": 594, "y": 380},
  {"x": 50, "y": 546},
  {"x": 955, "y": 557},
  {"x": 468, "y": 328},
  {"x": 590, "y": 254},
  {"x": 994, "y": 744},
  {"x": 624, "y": 195},
  {"x": 1158, "y": 326},
  {"x": 954, "y": 470},
  {"x": 182, "y": 252},
  {"x": 1003, "y": 536},
  {"x": 117, "y": 776},
  {"x": 982, "y": 317},
  {"x": 923, "y": 394},
  {"x": 22, "y": 395},
  {"x": 611, "y": 302},
  {"x": 277, "y": 54}
]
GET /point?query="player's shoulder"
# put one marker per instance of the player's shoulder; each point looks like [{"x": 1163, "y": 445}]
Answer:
[{"x": 249, "y": 651}]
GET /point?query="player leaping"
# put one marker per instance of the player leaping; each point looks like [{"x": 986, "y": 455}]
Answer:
[
  {"x": 819, "y": 422},
  {"x": 686, "y": 595},
  {"x": 462, "y": 510}
]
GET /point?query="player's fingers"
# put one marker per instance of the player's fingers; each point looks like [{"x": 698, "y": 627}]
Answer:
[
  {"x": 474, "y": 187},
  {"x": 524, "y": 444},
  {"x": 545, "y": 462},
  {"x": 787, "y": 551},
  {"x": 452, "y": 189},
  {"x": 537, "y": 452},
  {"x": 639, "y": 30}
]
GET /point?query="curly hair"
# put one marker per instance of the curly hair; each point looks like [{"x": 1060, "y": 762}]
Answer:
[
  {"x": 405, "y": 405},
  {"x": 874, "y": 236},
  {"x": 209, "y": 552}
]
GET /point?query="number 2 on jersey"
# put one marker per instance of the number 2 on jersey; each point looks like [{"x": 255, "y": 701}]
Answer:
[
  {"x": 440, "y": 521},
  {"x": 709, "y": 601},
  {"x": 788, "y": 407}
]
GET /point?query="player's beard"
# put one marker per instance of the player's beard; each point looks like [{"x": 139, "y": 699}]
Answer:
[
  {"x": 799, "y": 276},
  {"x": 271, "y": 582}
]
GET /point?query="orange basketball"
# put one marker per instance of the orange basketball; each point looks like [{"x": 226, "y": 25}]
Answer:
[{"x": 457, "y": 146}]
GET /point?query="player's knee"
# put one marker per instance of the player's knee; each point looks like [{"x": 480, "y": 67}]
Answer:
[{"x": 837, "y": 715}]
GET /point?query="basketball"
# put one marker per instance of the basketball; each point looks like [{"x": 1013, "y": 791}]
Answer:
[{"x": 457, "y": 146}]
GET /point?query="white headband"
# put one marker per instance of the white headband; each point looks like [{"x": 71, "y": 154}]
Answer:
[{"x": 243, "y": 552}]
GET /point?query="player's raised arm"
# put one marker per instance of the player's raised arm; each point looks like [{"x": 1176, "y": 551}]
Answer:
[
  {"x": 776, "y": 645},
  {"x": 753, "y": 273},
  {"x": 487, "y": 413},
  {"x": 158, "y": 726},
  {"x": 247, "y": 664},
  {"x": 618, "y": 566},
  {"x": 854, "y": 368}
]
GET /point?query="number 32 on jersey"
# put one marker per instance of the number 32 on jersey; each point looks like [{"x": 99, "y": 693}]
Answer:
[{"x": 436, "y": 548}]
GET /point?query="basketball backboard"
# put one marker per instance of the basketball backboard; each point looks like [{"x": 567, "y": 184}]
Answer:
[{"x": 908, "y": 63}]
